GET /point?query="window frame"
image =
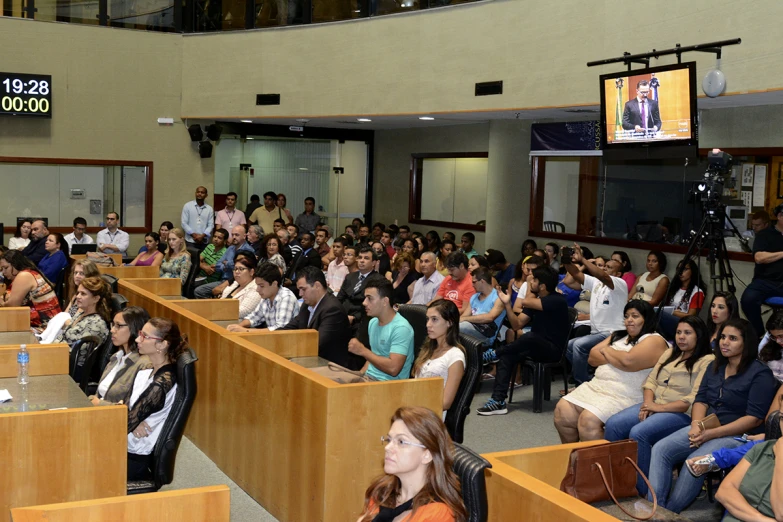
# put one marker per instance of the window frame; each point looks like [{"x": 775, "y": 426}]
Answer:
[
  {"x": 415, "y": 196},
  {"x": 96, "y": 163}
]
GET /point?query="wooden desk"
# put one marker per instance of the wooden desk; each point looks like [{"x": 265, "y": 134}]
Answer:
[
  {"x": 78, "y": 453},
  {"x": 15, "y": 319},
  {"x": 125, "y": 272},
  {"x": 207, "y": 504},
  {"x": 211, "y": 309},
  {"x": 18, "y": 338},
  {"x": 286, "y": 441},
  {"x": 117, "y": 258},
  {"x": 160, "y": 287},
  {"x": 45, "y": 359}
]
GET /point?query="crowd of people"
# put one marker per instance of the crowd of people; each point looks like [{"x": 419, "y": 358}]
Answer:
[{"x": 645, "y": 365}]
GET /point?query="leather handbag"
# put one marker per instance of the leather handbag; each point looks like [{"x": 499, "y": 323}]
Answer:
[
  {"x": 615, "y": 465},
  {"x": 709, "y": 422}
]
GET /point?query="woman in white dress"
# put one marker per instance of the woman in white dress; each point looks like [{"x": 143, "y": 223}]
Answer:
[
  {"x": 652, "y": 285},
  {"x": 442, "y": 355},
  {"x": 623, "y": 362}
]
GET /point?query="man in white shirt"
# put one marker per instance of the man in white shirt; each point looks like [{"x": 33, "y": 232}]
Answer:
[
  {"x": 423, "y": 290},
  {"x": 230, "y": 216},
  {"x": 608, "y": 299},
  {"x": 278, "y": 305},
  {"x": 78, "y": 237},
  {"x": 112, "y": 240},
  {"x": 336, "y": 271},
  {"x": 198, "y": 220}
]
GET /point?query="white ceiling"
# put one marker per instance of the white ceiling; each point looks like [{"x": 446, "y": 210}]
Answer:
[{"x": 458, "y": 118}]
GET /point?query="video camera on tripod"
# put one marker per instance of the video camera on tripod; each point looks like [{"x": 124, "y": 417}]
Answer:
[{"x": 709, "y": 191}]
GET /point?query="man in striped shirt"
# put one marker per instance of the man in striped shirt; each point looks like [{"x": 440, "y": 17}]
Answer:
[
  {"x": 278, "y": 304},
  {"x": 210, "y": 256}
]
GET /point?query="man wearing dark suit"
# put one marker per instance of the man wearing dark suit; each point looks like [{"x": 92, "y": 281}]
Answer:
[
  {"x": 642, "y": 114},
  {"x": 351, "y": 294},
  {"x": 36, "y": 250},
  {"x": 308, "y": 256},
  {"x": 322, "y": 311}
]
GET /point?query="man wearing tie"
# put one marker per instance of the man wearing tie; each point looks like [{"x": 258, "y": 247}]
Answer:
[
  {"x": 641, "y": 114},
  {"x": 351, "y": 294}
]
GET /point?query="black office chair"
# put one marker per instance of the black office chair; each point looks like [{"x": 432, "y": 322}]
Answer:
[
  {"x": 59, "y": 286},
  {"x": 165, "y": 453},
  {"x": 118, "y": 303},
  {"x": 416, "y": 315},
  {"x": 111, "y": 280},
  {"x": 460, "y": 407},
  {"x": 80, "y": 352},
  {"x": 189, "y": 287},
  {"x": 94, "y": 365},
  {"x": 469, "y": 467},
  {"x": 542, "y": 372}
]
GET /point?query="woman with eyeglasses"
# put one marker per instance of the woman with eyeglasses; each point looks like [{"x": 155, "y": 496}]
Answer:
[
  {"x": 418, "y": 484},
  {"x": 117, "y": 379},
  {"x": 153, "y": 392},
  {"x": 244, "y": 287},
  {"x": 176, "y": 263}
]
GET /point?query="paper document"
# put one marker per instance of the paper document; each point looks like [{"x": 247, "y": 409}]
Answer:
[{"x": 5, "y": 396}]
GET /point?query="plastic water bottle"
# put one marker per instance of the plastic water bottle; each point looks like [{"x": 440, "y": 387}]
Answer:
[{"x": 23, "y": 359}]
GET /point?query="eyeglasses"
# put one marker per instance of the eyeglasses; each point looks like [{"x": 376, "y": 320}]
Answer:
[
  {"x": 399, "y": 443},
  {"x": 144, "y": 337},
  {"x": 777, "y": 338},
  {"x": 118, "y": 325},
  {"x": 240, "y": 269}
]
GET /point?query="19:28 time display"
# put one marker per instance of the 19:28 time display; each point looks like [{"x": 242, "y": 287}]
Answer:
[{"x": 26, "y": 95}]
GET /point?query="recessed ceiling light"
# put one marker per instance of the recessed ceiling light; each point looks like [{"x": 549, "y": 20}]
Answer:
[
  {"x": 250, "y": 138},
  {"x": 246, "y": 121},
  {"x": 302, "y": 120},
  {"x": 363, "y": 119},
  {"x": 426, "y": 118},
  {"x": 302, "y": 168}
]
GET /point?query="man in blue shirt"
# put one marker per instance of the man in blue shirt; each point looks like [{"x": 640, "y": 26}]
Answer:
[
  {"x": 390, "y": 355},
  {"x": 225, "y": 265},
  {"x": 198, "y": 221}
]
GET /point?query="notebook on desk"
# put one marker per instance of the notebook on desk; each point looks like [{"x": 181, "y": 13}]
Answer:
[{"x": 79, "y": 249}]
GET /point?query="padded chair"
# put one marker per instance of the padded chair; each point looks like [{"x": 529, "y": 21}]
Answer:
[
  {"x": 542, "y": 372},
  {"x": 469, "y": 467},
  {"x": 189, "y": 287},
  {"x": 554, "y": 226},
  {"x": 118, "y": 303},
  {"x": 87, "y": 345},
  {"x": 460, "y": 407},
  {"x": 59, "y": 286},
  {"x": 111, "y": 280},
  {"x": 165, "y": 452},
  {"x": 94, "y": 365},
  {"x": 416, "y": 315}
]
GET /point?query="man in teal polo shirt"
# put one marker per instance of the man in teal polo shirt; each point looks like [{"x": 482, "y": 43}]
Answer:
[{"x": 390, "y": 355}]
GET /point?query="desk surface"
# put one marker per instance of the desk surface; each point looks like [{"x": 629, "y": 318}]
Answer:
[
  {"x": 18, "y": 338},
  {"x": 225, "y": 324},
  {"x": 309, "y": 362},
  {"x": 43, "y": 393}
]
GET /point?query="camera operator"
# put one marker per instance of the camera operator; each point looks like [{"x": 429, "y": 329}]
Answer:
[
  {"x": 609, "y": 296},
  {"x": 768, "y": 273}
]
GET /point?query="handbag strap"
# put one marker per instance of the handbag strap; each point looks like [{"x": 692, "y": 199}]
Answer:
[{"x": 641, "y": 474}]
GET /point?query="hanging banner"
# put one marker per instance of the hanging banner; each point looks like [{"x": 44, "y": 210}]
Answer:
[{"x": 575, "y": 138}]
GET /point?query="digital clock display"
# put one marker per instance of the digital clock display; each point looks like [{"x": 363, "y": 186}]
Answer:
[{"x": 25, "y": 95}]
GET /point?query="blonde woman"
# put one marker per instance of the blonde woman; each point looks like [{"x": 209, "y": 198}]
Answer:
[
  {"x": 176, "y": 262},
  {"x": 82, "y": 269}
]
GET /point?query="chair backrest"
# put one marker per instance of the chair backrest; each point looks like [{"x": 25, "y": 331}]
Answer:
[
  {"x": 165, "y": 452},
  {"x": 416, "y": 315},
  {"x": 80, "y": 352},
  {"x": 188, "y": 288},
  {"x": 59, "y": 286},
  {"x": 554, "y": 226},
  {"x": 469, "y": 467},
  {"x": 95, "y": 364},
  {"x": 118, "y": 303},
  {"x": 111, "y": 280},
  {"x": 460, "y": 407}
]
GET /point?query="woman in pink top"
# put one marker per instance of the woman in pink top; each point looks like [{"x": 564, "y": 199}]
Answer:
[
  {"x": 626, "y": 269},
  {"x": 152, "y": 256}
]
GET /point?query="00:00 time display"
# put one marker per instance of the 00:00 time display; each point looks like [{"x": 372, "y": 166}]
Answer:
[{"x": 17, "y": 104}]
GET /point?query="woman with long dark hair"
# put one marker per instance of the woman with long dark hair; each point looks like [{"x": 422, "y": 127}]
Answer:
[
  {"x": 418, "y": 483},
  {"x": 151, "y": 255},
  {"x": 442, "y": 355},
  {"x": 623, "y": 361},
  {"x": 626, "y": 269},
  {"x": 433, "y": 241},
  {"x": 56, "y": 258},
  {"x": 723, "y": 306},
  {"x": 652, "y": 285},
  {"x": 738, "y": 389},
  {"x": 669, "y": 392},
  {"x": 22, "y": 235},
  {"x": 27, "y": 286},
  {"x": 687, "y": 301}
]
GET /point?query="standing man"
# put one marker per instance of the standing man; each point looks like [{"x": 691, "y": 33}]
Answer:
[
  {"x": 768, "y": 272},
  {"x": 112, "y": 240},
  {"x": 36, "y": 249},
  {"x": 251, "y": 207},
  {"x": 425, "y": 288},
  {"x": 337, "y": 270},
  {"x": 230, "y": 217},
  {"x": 210, "y": 256},
  {"x": 457, "y": 287},
  {"x": 641, "y": 114},
  {"x": 198, "y": 221},
  {"x": 78, "y": 236},
  {"x": 466, "y": 245},
  {"x": 308, "y": 220},
  {"x": 278, "y": 305},
  {"x": 265, "y": 216}
]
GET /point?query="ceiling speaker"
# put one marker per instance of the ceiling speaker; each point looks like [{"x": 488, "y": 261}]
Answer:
[
  {"x": 205, "y": 149},
  {"x": 214, "y": 131},
  {"x": 196, "y": 134}
]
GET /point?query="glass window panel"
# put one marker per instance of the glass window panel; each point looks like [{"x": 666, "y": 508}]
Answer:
[
  {"x": 152, "y": 15},
  {"x": 561, "y": 192},
  {"x": 470, "y": 190},
  {"x": 333, "y": 10},
  {"x": 437, "y": 191},
  {"x": 382, "y": 7}
]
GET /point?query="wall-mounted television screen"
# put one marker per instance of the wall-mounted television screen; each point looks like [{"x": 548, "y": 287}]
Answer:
[{"x": 650, "y": 112}]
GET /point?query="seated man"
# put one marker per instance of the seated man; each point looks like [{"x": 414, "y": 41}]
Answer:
[
  {"x": 505, "y": 270},
  {"x": 546, "y": 312},
  {"x": 457, "y": 287},
  {"x": 322, "y": 311},
  {"x": 225, "y": 265},
  {"x": 390, "y": 356},
  {"x": 450, "y": 236},
  {"x": 278, "y": 306},
  {"x": 112, "y": 240},
  {"x": 768, "y": 272},
  {"x": 466, "y": 245},
  {"x": 482, "y": 319},
  {"x": 36, "y": 249},
  {"x": 210, "y": 256},
  {"x": 425, "y": 288},
  {"x": 78, "y": 236}
]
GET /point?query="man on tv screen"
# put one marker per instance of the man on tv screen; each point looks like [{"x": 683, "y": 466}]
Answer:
[{"x": 641, "y": 114}]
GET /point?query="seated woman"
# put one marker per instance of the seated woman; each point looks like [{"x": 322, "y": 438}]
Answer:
[
  {"x": 270, "y": 246},
  {"x": 723, "y": 306},
  {"x": 770, "y": 352},
  {"x": 22, "y": 236},
  {"x": 409, "y": 246},
  {"x": 446, "y": 248},
  {"x": 738, "y": 389},
  {"x": 163, "y": 237},
  {"x": 623, "y": 361},
  {"x": 442, "y": 355},
  {"x": 56, "y": 258},
  {"x": 153, "y": 392},
  {"x": 652, "y": 285},
  {"x": 244, "y": 287},
  {"x": 402, "y": 276},
  {"x": 687, "y": 301},
  {"x": 151, "y": 255},
  {"x": 552, "y": 251},
  {"x": 81, "y": 269},
  {"x": 626, "y": 268},
  {"x": 418, "y": 483},
  {"x": 669, "y": 392},
  {"x": 28, "y": 287},
  {"x": 93, "y": 299},
  {"x": 177, "y": 262},
  {"x": 117, "y": 380}
]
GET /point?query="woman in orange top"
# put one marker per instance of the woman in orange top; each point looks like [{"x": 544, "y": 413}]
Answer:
[
  {"x": 419, "y": 484},
  {"x": 27, "y": 286}
]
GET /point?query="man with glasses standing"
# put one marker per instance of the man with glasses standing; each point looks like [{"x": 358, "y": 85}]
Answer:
[
  {"x": 78, "y": 236},
  {"x": 112, "y": 240}
]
